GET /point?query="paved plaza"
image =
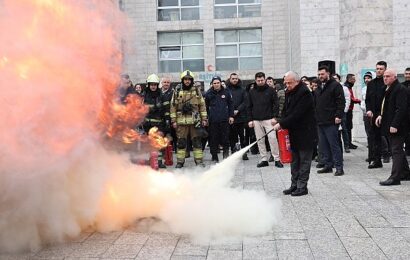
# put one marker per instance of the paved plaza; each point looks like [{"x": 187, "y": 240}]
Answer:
[{"x": 347, "y": 217}]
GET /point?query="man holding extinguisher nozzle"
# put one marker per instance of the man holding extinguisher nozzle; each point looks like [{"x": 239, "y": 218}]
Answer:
[{"x": 298, "y": 117}]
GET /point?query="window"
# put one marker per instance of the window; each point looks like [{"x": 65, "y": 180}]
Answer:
[
  {"x": 238, "y": 50},
  {"x": 237, "y": 8},
  {"x": 181, "y": 51},
  {"x": 177, "y": 10}
]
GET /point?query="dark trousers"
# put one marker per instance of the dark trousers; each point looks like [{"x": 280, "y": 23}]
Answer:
[
  {"x": 375, "y": 144},
  {"x": 345, "y": 131},
  {"x": 237, "y": 130},
  {"x": 349, "y": 124},
  {"x": 300, "y": 167},
  {"x": 400, "y": 167},
  {"x": 218, "y": 135},
  {"x": 329, "y": 145}
]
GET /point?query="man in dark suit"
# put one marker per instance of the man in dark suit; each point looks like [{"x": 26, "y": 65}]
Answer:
[
  {"x": 394, "y": 124},
  {"x": 299, "y": 118}
]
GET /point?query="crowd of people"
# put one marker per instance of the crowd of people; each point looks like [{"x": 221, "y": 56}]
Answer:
[{"x": 317, "y": 111}]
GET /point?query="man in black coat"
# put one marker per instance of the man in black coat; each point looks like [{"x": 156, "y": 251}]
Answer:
[
  {"x": 374, "y": 98},
  {"x": 394, "y": 123},
  {"x": 329, "y": 105},
  {"x": 299, "y": 118},
  {"x": 237, "y": 129}
]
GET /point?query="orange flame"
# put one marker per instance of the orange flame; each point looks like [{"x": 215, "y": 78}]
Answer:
[{"x": 156, "y": 138}]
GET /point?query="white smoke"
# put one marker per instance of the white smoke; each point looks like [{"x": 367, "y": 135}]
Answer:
[{"x": 56, "y": 178}]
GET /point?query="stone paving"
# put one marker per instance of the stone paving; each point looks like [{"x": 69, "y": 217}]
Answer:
[{"x": 347, "y": 217}]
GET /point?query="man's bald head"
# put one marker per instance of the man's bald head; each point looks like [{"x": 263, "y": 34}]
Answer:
[
  {"x": 165, "y": 83},
  {"x": 291, "y": 80},
  {"x": 389, "y": 76}
]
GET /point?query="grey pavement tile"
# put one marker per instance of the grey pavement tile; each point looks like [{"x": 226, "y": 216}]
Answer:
[
  {"x": 130, "y": 237},
  {"x": 188, "y": 257},
  {"x": 372, "y": 221},
  {"x": 391, "y": 242},
  {"x": 290, "y": 235},
  {"x": 155, "y": 252},
  {"x": 226, "y": 244},
  {"x": 253, "y": 186},
  {"x": 262, "y": 249},
  {"x": 224, "y": 255},
  {"x": 187, "y": 247},
  {"x": 103, "y": 237},
  {"x": 325, "y": 244},
  {"x": 91, "y": 249},
  {"x": 252, "y": 177},
  {"x": 15, "y": 256},
  {"x": 362, "y": 248},
  {"x": 347, "y": 226},
  {"x": 81, "y": 238},
  {"x": 56, "y": 251},
  {"x": 81, "y": 258},
  {"x": 293, "y": 249},
  {"x": 398, "y": 220},
  {"x": 122, "y": 251}
]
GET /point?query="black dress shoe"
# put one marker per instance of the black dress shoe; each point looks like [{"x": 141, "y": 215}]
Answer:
[
  {"x": 299, "y": 192},
  {"x": 215, "y": 158},
  {"x": 245, "y": 157},
  {"x": 161, "y": 165},
  {"x": 325, "y": 170},
  {"x": 290, "y": 190},
  {"x": 389, "y": 182},
  {"x": 320, "y": 165},
  {"x": 179, "y": 165},
  {"x": 347, "y": 150},
  {"x": 271, "y": 159},
  {"x": 352, "y": 146},
  {"x": 339, "y": 173},
  {"x": 262, "y": 164},
  {"x": 374, "y": 165},
  {"x": 278, "y": 164}
]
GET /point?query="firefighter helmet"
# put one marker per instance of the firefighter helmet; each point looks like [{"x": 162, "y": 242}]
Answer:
[
  {"x": 187, "y": 74},
  {"x": 153, "y": 79}
]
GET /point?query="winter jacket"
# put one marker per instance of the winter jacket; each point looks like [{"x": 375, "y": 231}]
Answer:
[
  {"x": 281, "y": 100},
  {"x": 394, "y": 110},
  {"x": 299, "y": 117},
  {"x": 238, "y": 101},
  {"x": 329, "y": 102},
  {"x": 219, "y": 104},
  {"x": 263, "y": 103},
  {"x": 374, "y": 96}
]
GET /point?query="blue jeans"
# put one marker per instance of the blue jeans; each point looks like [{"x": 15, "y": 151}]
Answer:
[{"x": 329, "y": 145}]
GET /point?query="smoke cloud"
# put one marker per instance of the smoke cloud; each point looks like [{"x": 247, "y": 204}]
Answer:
[{"x": 59, "y": 61}]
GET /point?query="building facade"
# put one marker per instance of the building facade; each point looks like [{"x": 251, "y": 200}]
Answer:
[{"x": 245, "y": 36}]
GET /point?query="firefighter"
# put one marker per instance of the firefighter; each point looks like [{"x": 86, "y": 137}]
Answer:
[
  {"x": 154, "y": 99},
  {"x": 188, "y": 116}
]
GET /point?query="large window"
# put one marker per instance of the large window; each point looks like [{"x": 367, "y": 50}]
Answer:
[
  {"x": 238, "y": 50},
  {"x": 237, "y": 8},
  {"x": 180, "y": 51},
  {"x": 176, "y": 10}
]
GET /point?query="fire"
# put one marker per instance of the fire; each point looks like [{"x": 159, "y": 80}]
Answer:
[
  {"x": 156, "y": 138},
  {"x": 120, "y": 120}
]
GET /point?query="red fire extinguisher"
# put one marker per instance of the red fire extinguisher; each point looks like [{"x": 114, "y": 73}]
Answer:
[
  {"x": 168, "y": 155},
  {"x": 153, "y": 160},
  {"x": 285, "y": 152}
]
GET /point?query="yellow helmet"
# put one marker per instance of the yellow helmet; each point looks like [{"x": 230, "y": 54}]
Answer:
[
  {"x": 153, "y": 79},
  {"x": 187, "y": 74}
]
